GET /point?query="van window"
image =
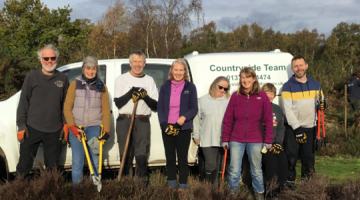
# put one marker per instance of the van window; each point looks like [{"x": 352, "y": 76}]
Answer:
[
  {"x": 158, "y": 72},
  {"x": 75, "y": 72}
]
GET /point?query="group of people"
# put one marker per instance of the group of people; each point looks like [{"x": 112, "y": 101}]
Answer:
[{"x": 245, "y": 121}]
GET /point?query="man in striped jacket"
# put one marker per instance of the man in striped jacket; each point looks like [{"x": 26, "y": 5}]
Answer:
[{"x": 300, "y": 99}]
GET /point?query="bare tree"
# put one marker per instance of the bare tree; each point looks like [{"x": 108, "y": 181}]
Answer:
[
  {"x": 114, "y": 22},
  {"x": 175, "y": 13}
]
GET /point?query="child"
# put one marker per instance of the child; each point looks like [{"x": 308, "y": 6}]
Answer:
[{"x": 274, "y": 161}]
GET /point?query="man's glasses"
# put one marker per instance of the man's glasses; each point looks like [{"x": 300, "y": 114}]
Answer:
[
  {"x": 221, "y": 87},
  {"x": 47, "y": 58}
]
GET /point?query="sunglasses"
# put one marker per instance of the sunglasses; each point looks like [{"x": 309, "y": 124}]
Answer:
[
  {"x": 221, "y": 87},
  {"x": 47, "y": 58}
]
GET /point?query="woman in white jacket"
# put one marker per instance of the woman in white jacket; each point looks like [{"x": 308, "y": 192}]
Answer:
[{"x": 208, "y": 125}]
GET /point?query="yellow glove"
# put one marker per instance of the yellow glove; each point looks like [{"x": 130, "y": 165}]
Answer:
[
  {"x": 135, "y": 96},
  {"x": 276, "y": 149}
]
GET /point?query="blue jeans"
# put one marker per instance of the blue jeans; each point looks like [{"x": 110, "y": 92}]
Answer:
[
  {"x": 78, "y": 154},
  {"x": 253, "y": 151}
]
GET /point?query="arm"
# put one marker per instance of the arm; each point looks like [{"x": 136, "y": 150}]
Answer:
[
  {"x": 191, "y": 113},
  {"x": 197, "y": 124},
  {"x": 120, "y": 97},
  {"x": 69, "y": 104},
  {"x": 280, "y": 128},
  {"x": 65, "y": 89},
  {"x": 21, "y": 114},
  {"x": 287, "y": 107},
  {"x": 105, "y": 109},
  {"x": 228, "y": 119},
  {"x": 151, "y": 99},
  {"x": 160, "y": 104},
  {"x": 268, "y": 119}
]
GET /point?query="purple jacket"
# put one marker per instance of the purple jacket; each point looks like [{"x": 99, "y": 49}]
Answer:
[
  {"x": 242, "y": 120},
  {"x": 188, "y": 103}
]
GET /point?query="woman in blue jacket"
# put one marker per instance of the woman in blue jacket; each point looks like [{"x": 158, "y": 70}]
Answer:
[{"x": 177, "y": 107}]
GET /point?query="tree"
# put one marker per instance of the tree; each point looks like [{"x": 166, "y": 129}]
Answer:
[
  {"x": 114, "y": 24},
  {"x": 26, "y": 26}
]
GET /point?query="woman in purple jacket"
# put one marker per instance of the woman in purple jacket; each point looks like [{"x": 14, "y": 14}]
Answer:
[
  {"x": 248, "y": 110},
  {"x": 177, "y": 107}
]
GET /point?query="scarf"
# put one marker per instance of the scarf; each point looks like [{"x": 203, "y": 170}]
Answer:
[{"x": 99, "y": 84}]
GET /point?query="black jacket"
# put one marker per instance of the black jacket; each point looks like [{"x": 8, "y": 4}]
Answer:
[
  {"x": 354, "y": 88},
  {"x": 42, "y": 101}
]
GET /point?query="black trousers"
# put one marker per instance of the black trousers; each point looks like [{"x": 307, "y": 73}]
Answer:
[
  {"x": 177, "y": 145},
  {"x": 28, "y": 149},
  {"x": 275, "y": 165},
  {"x": 354, "y": 103},
  {"x": 139, "y": 144},
  {"x": 305, "y": 151},
  {"x": 212, "y": 158}
]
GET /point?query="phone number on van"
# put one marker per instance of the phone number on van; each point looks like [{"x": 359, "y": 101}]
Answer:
[{"x": 237, "y": 77}]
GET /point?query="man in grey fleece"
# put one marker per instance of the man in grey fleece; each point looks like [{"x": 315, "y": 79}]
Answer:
[
  {"x": 40, "y": 116},
  {"x": 274, "y": 161}
]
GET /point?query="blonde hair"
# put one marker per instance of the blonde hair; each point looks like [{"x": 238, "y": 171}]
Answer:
[
  {"x": 214, "y": 86},
  {"x": 249, "y": 72},
  {"x": 269, "y": 87},
  {"x": 181, "y": 62}
]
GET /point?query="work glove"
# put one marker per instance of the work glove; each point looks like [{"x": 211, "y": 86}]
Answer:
[
  {"x": 75, "y": 131},
  {"x": 104, "y": 136},
  {"x": 172, "y": 129},
  {"x": 164, "y": 125},
  {"x": 225, "y": 145},
  {"x": 276, "y": 148},
  {"x": 322, "y": 105},
  {"x": 64, "y": 135},
  {"x": 300, "y": 135},
  {"x": 21, "y": 135},
  {"x": 135, "y": 96}
]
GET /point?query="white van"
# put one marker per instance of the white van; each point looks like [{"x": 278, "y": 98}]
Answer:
[{"x": 271, "y": 67}]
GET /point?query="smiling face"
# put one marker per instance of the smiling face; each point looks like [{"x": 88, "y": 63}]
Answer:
[
  {"x": 178, "y": 72},
  {"x": 137, "y": 65},
  {"x": 246, "y": 82},
  {"x": 299, "y": 68},
  {"x": 49, "y": 65},
  {"x": 89, "y": 72},
  {"x": 224, "y": 85}
]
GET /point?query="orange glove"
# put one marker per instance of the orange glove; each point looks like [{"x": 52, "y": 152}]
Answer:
[
  {"x": 74, "y": 130},
  {"x": 20, "y": 135},
  {"x": 64, "y": 135}
]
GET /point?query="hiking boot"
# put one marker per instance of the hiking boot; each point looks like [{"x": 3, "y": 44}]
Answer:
[{"x": 259, "y": 196}]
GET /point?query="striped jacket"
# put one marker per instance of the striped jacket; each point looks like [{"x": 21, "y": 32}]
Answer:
[{"x": 299, "y": 102}]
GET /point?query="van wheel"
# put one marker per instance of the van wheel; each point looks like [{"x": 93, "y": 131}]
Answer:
[{"x": 4, "y": 169}]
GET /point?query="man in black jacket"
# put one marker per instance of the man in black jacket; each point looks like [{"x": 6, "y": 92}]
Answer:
[
  {"x": 39, "y": 115},
  {"x": 354, "y": 92}
]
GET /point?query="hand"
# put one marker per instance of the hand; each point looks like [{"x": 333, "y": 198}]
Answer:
[
  {"x": 104, "y": 136},
  {"x": 21, "y": 135},
  {"x": 276, "y": 148},
  {"x": 322, "y": 105},
  {"x": 225, "y": 145},
  {"x": 197, "y": 142},
  {"x": 142, "y": 92},
  {"x": 135, "y": 96},
  {"x": 75, "y": 130},
  {"x": 268, "y": 146},
  {"x": 300, "y": 135},
  {"x": 64, "y": 135},
  {"x": 181, "y": 120}
]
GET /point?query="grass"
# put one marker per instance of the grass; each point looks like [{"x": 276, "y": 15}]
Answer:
[{"x": 338, "y": 170}]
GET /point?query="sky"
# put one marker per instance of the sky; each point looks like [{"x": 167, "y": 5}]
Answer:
[{"x": 286, "y": 16}]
